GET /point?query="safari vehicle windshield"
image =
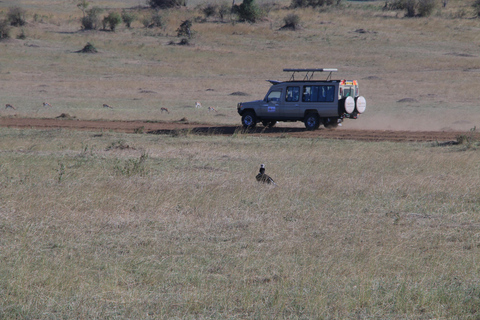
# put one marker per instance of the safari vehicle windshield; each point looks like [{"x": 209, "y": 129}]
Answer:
[{"x": 274, "y": 96}]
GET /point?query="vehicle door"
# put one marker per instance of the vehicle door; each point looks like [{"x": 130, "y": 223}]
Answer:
[
  {"x": 270, "y": 108},
  {"x": 322, "y": 98},
  {"x": 291, "y": 107}
]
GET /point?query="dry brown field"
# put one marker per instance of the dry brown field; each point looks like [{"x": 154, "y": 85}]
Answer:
[{"x": 100, "y": 224}]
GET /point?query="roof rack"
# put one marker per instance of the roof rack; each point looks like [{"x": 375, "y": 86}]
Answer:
[{"x": 310, "y": 72}]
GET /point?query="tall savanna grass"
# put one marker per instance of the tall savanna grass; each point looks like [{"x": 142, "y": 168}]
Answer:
[{"x": 107, "y": 225}]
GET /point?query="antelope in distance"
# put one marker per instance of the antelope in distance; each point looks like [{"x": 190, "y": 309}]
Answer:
[
  {"x": 212, "y": 109},
  {"x": 164, "y": 110},
  {"x": 8, "y": 105},
  {"x": 198, "y": 104},
  {"x": 107, "y": 106},
  {"x": 46, "y": 104}
]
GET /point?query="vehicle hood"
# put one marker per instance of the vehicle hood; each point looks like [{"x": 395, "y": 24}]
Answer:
[{"x": 251, "y": 103}]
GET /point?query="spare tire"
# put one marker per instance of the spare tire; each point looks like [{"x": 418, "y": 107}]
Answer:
[
  {"x": 346, "y": 105},
  {"x": 360, "y": 104}
]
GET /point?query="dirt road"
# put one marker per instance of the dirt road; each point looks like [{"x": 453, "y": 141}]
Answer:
[{"x": 212, "y": 129}]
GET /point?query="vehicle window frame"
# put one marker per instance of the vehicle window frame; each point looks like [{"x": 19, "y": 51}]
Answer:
[
  {"x": 314, "y": 91},
  {"x": 293, "y": 94}
]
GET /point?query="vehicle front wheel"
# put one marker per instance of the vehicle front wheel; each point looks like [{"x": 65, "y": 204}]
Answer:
[
  {"x": 312, "y": 121},
  {"x": 249, "y": 119}
]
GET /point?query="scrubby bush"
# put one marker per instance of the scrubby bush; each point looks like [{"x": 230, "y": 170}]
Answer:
[
  {"x": 92, "y": 18},
  {"x": 4, "y": 29},
  {"x": 16, "y": 16},
  {"x": 128, "y": 18},
  {"x": 476, "y": 6},
  {"x": 112, "y": 20},
  {"x": 292, "y": 21},
  {"x": 224, "y": 9},
  {"x": 165, "y": 4},
  {"x": 425, "y": 7},
  {"x": 210, "y": 9},
  {"x": 88, "y": 48},
  {"x": 185, "y": 29},
  {"x": 248, "y": 11},
  {"x": 413, "y": 8},
  {"x": 155, "y": 20}
]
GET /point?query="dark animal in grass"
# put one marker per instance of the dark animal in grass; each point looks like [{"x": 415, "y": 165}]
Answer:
[
  {"x": 10, "y": 106},
  {"x": 263, "y": 177}
]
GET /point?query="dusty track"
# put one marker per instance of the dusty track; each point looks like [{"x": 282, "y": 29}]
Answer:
[{"x": 176, "y": 127}]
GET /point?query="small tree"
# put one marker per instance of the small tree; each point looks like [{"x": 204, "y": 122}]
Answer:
[
  {"x": 91, "y": 20},
  {"x": 16, "y": 16},
  {"x": 128, "y": 18},
  {"x": 112, "y": 20},
  {"x": 248, "y": 11}
]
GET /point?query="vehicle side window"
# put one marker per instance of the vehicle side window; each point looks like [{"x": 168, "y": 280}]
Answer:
[
  {"x": 293, "y": 94},
  {"x": 318, "y": 93},
  {"x": 274, "y": 96}
]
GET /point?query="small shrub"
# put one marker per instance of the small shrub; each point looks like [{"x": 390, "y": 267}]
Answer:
[
  {"x": 16, "y": 16},
  {"x": 91, "y": 20},
  {"x": 469, "y": 140},
  {"x": 132, "y": 166},
  {"x": 4, "y": 30},
  {"x": 413, "y": 8},
  {"x": 165, "y": 4},
  {"x": 128, "y": 18},
  {"x": 292, "y": 21},
  {"x": 225, "y": 9},
  {"x": 476, "y": 6},
  {"x": 89, "y": 48},
  {"x": 210, "y": 9},
  {"x": 425, "y": 7},
  {"x": 248, "y": 11},
  {"x": 155, "y": 20},
  {"x": 185, "y": 29},
  {"x": 112, "y": 20}
]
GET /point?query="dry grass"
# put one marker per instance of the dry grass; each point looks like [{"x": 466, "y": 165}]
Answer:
[
  {"x": 354, "y": 230},
  {"x": 107, "y": 225}
]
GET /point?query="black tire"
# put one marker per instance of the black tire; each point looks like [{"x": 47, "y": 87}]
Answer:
[
  {"x": 249, "y": 119},
  {"x": 312, "y": 121},
  {"x": 269, "y": 124}
]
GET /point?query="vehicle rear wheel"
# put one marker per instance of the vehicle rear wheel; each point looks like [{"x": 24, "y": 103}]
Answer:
[
  {"x": 249, "y": 119},
  {"x": 312, "y": 121},
  {"x": 269, "y": 124}
]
